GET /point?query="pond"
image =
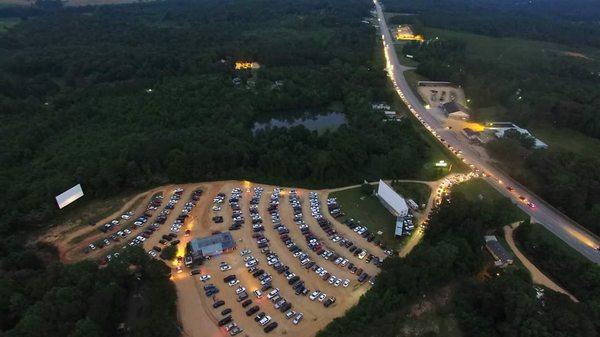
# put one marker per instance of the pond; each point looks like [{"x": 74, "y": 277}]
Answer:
[{"x": 311, "y": 121}]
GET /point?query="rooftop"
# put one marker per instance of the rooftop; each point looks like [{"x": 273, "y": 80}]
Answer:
[
  {"x": 212, "y": 244},
  {"x": 499, "y": 252}
]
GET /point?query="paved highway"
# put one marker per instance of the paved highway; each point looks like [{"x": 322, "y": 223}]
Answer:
[{"x": 566, "y": 229}]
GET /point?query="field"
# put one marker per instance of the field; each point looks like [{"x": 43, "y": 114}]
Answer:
[
  {"x": 6, "y": 23},
  {"x": 568, "y": 140},
  {"x": 369, "y": 211},
  {"x": 510, "y": 50},
  {"x": 412, "y": 77},
  {"x": 405, "y": 61},
  {"x": 194, "y": 309},
  {"x": 478, "y": 188}
]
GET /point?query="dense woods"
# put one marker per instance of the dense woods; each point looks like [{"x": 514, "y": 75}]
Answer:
[
  {"x": 75, "y": 106},
  {"x": 132, "y": 295}
]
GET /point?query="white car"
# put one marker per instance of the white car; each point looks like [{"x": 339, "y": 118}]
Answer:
[
  {"x": 258, "y": 293},
  {"x": 225, "y": 267},
  {"x": 322, "y": 297},
  {"x": 240, "y": 290},
  {"x": 332, "y": 280},
  {"x": 273, "y": 293},
  {"x": 265, "y": 320},
  {"x": 245, "y": 252},
  {"x": 346, "y": 283},
  {"x": 337, "y": 282},
  {"x": 298, "y": 318},
  {"x": 205, "y": 278},
  {"x": 314, "y": 295},
  {"x": 233, "y": 282},
  {"x": 290, "y": 314}
]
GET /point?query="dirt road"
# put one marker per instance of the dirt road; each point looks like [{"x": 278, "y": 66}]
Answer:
[{"x": 536, "y": 275}]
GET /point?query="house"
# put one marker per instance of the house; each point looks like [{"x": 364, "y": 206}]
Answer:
[
  {"x": 499, "y": 128},
  {"x": 455, "y": 110},
  {"x": 501, "y": 255},
  {"x": 213, "y": 245}
]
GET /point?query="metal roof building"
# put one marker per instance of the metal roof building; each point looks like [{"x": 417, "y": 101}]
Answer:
[
  {"x": 211, "y": 245},
  {"x": 500, "y": 254}
]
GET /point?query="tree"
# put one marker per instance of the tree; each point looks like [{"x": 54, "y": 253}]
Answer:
[{"x": 168, "y": 253}]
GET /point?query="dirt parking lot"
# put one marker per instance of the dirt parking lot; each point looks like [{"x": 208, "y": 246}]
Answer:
[
  {"x": 196, "y": 313},
  {"x": 438, "y": 95}
]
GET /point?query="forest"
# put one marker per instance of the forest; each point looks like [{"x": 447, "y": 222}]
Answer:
[
  {"x": 131, "y": 96},
  {"x": 502, "y": 304},
  {"x": 122, "y": 98},
  {"x": 39, "y": 296}
]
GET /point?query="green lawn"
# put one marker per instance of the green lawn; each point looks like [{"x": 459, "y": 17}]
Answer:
[
  {"x": 432, "y": 324},
  {"x": 478, "y": 188},
  {"x": 418, "y": 192},
  {"x": 509, "y": 50},
  {"x": 436, "y": 153},
  {"x": 6, "y": 23},
  {"x": 412, "y": 77},
  {"x": 568, "y": 140},
  {"x": 405, "y": 61},
  {"x": 370, "y": 212}
]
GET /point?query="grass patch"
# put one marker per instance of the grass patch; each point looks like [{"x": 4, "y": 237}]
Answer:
[
  {"x": 491, "y": 113},
  {"x": 479, "y": 189},
  {"x": 370, "y": 212},
  {"x": 418, "y": 192},
  {"x": 405, "y": 61},
  {"x": 568, "y": 140},
  {"x": 436, "y": 153},
  {"x": 92, "y": 212},
  {"x": 509, "y": 50},
  {"x": 7, "y": 23},
  {"x": 432, "y": 324},
  {"x": 412, "y": 77}
]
